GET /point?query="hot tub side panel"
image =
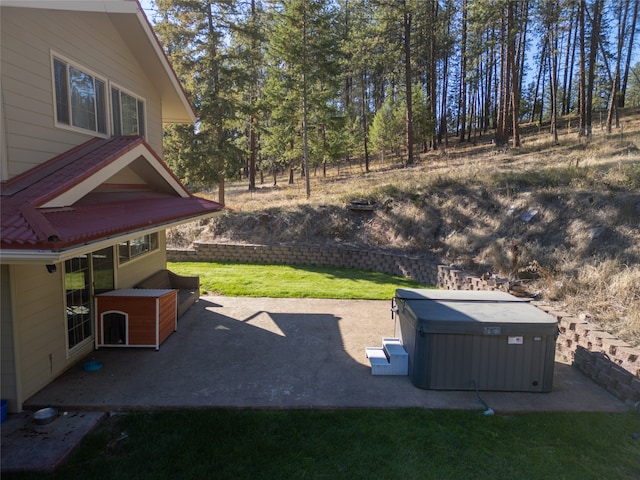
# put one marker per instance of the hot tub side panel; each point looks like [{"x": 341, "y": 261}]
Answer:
[{"x": 464, "y": 362}]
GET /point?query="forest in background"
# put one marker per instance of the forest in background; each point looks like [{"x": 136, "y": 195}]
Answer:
[{"x": 297, "y": 85}]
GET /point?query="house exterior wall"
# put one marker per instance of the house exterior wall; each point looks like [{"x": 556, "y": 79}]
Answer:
[
  {"x": 4, "y": 165},
  {"x": 38, "y": 306},
  {"x": 8, "y": 381},
  {"x": 29, "y": 36},
  {"x": 40, "y": 329},
  {"x": 136, "y": 270},
  {"x": 33, "y": 319}
]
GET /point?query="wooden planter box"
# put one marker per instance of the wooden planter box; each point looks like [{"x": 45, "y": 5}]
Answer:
[{"x": 135, "y": 317}]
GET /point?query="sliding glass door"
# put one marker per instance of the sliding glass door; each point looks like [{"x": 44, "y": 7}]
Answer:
[{"x": 85, "y": 276}]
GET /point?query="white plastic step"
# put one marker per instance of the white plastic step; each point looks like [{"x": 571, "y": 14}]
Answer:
[{"x": 390, "y": 359}]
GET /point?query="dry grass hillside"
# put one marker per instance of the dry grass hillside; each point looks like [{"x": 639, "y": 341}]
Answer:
[{"x": 563, "y": 219}]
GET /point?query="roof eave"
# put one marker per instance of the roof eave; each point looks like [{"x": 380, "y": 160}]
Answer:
[
  {"x": 171, "y": 111},
  {"x": 23, "y": 256},
  {"x": 105, "y": 6}
]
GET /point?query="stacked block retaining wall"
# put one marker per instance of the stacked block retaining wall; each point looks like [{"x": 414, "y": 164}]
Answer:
[{"x": 420, "y": 269}]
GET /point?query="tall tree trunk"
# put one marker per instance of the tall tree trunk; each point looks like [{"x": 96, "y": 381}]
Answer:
[
  {"x": 252, "y": 126},
  {"x": 305, "y": 133},
  {"x": 513, "y": 70},
  {"x": 612, "y": 108},
  {"x": 348, "y": 78},
  {"x": 490, "y": 111},
  {"x": 569, "y": 63},
  {"x": 406, "y": 18},
  {"x": 442, "y": 130},
  {"x": 596, "y": 20},
  {"x": 216, "y": 82},
  {"x": 522, "y": 41},
  {"x": 582, "y": 90},
  {"x": 221, "y": 199},
  {"x": 365, "y": 123},
  {"x": 502, "y": 92},
  {"x": 305, "y": 137},
  {"x": 543, "y": 93},
  {"x": 433, "y": 91},
  {"x": 553, "y": 72},
  {"x": 473, "y": 119},
  {"x": 252, "y": 153},
  {"x": 462, "y": 105}
]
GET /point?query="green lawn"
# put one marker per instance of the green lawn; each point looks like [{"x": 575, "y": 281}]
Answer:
[
  {"x": 359, "y": 444},
  {"x": 284, "y": 281}
]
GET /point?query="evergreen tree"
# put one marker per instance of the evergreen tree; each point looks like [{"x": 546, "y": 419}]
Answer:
[
  {"x": 633, "y": 91},
  {"x": 301, "y": 76},
  {"x": 194, "y": 32},
  {"x": 388, "y": 127},
  {"x": 246, "y": 54}
]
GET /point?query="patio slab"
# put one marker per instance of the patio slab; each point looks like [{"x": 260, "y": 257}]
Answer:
[{"x": 284, "y": 353}]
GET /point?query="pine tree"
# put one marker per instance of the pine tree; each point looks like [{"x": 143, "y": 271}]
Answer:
[
  {"x": 194, "y": 32},
  {"x": 301, "y": 76},
  {"x": 387, "y": 128},
  {"x": 246, "y": 53}
]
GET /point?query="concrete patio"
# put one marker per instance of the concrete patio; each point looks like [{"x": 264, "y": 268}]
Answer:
[{"x": 283, "y": 353}]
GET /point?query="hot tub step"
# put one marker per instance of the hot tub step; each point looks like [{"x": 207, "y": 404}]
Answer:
[{"x": 390, "y": 359}]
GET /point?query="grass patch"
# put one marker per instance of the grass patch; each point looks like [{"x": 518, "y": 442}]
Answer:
[
  {"x": 286, "y": 281},
  {"x": 358, "y": 444}
]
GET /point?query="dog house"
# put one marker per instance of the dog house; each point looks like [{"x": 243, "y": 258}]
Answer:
[
  {"x": 463, "y": 340},
  {"x": 135, "y": 317}
]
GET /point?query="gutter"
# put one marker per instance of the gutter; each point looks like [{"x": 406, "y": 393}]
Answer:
[{"x": 39, "y": 257}]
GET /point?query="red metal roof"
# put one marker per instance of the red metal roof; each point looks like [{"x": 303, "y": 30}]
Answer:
[{"x": 25, "y": 224}]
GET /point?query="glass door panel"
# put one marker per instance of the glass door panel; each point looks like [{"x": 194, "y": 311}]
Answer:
[
  {"x": 102, "y": 270},
  {"x": 85, "y": 276},
  {"x": 77, "y": 279}
]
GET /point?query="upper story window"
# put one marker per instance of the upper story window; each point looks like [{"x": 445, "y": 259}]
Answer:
[
  {"x": 82, "y": 102},
  {"x": 80, "y": 97},
  {"x": 128, "y": 113}
]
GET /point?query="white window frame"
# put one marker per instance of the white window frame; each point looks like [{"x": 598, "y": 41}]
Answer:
[
  {"x": 85, "y": 340},
  {"x": 95, "y": 76},
  {"x": 132, "y": 254},
  {"x": 139, "y": 99}
]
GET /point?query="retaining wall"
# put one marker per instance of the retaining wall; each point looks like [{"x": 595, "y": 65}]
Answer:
[
  {"x": 420, "y": 269},
  {"x": 610, "y": 362}
]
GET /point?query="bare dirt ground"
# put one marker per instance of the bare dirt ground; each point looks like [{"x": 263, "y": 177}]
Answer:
[{"x": 564, "y": 219}]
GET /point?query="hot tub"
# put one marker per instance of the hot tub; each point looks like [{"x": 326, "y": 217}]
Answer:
[{"x": 463, "y": 340}]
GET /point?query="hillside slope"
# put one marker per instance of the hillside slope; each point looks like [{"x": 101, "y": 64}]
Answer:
[{"x": 564, "y": 219}]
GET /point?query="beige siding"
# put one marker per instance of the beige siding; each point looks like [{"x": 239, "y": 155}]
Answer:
[
  {"x": 41, "y": 322},
  {"x": 89, "y": 39},
  {"x": 132, "y": 272},
  {"x": 8, "y": 379},
  {"x": 41, "y": 328}
]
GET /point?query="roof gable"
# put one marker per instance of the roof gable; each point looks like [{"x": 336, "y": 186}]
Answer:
[
  {"x": 102, "y": 188},
  {"x": 67, "y": 178}
]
